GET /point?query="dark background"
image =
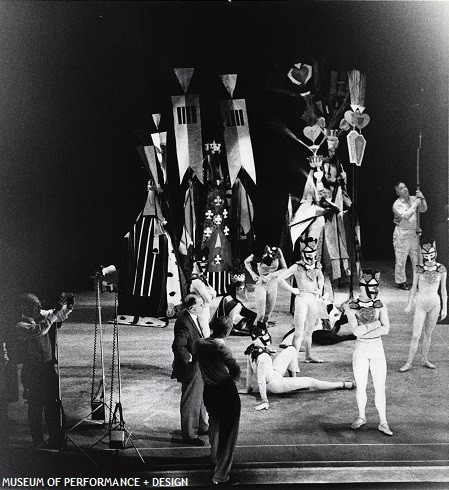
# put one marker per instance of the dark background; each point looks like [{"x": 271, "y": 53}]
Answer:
[{"x": 80, "y": 80}]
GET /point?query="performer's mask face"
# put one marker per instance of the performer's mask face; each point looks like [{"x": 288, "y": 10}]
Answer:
[
  {"x": 309, "y": 257},
  {"x": 429, "y": 258},
  {"x": 372, "y": 289},
  {"x": 268, "y": 256},
  {"x": 260, "y": 335}
]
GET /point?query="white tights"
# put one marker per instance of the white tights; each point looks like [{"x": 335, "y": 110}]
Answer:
[
  {"x": 426, "y": 315},
  {"x": 370, "y": 356}
]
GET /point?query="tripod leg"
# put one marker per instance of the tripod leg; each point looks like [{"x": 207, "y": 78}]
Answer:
[{"x": 80, "y": 449}]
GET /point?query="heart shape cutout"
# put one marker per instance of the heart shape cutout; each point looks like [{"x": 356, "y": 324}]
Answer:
[
  {"x": 367, "y": 315},
  {"x": 356, "y": 119},
  {"x": 312, "y": 132}
]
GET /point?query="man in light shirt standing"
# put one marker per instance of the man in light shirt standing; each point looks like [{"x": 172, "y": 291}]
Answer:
[{"x": 406, "y": 232}]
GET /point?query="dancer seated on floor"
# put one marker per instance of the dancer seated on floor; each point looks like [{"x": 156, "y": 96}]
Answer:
[
  {"x": 231, "y": 307},
  {"x": 428, "y": 279},
  {"x": 310, "y": 282},
  {"x": 269, "y": 265},
  {"x": 267, "y": 374},
  {"x": 368, "y": 318},
  {"x": 327, "y": 329}
]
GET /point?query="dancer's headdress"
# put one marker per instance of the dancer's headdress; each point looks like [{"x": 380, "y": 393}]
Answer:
[
  {"x": 260, "y": 331},
  {"x": 308, "y": 244},
  {"x": 428, "y": 247},
  {"x": 369, "y": 277}
]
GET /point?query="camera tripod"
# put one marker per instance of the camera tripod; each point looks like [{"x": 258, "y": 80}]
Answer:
[{"x": 119, "y": 435}]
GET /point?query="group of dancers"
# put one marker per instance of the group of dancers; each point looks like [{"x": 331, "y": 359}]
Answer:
[{"x": 367, "y": 318}]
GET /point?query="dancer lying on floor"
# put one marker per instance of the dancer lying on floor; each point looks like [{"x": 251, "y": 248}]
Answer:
[
  {"x": 428, "y": 279},
  {"x": 231, "y": 307},
  {"x": 368, "y": 318},
  {"x": 268, "y": 374}
]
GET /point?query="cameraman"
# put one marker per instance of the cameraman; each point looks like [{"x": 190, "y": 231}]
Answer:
[{"x": 39, "y": 378}]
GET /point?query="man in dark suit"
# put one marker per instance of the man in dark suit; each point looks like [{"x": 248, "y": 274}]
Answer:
[{"x": 194, "y": 420}]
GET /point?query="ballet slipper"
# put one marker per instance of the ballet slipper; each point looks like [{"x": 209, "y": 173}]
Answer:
[
  {"x": 385, "y": 429},
  {"x": 428, "y": 364},
  {"x": 348, "y": 385},
  {"x": 358, "y": 423},
  {"x": 406, "y": 367},
  {"x": 262, "y": 406},
  {"x": 313, "y": 360}
]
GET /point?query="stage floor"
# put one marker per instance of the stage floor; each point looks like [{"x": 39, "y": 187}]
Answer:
[{"x": 303, "y": 438}]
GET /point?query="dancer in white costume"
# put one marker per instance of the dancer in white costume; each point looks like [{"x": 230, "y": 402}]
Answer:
[
  {"x": 428, "y": 279},
  {"x": 368, "y": 319},
  {"x": 199, "y": 285},
  {"x": 310, "y": 282},
  {"x": 267, "y": 374},
  {"x": 269, "y": 266}
]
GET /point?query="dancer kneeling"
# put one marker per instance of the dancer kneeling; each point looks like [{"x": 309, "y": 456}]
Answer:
[
  {"x": 428, "y": 279},
  {"x": 268, "y": 374},
  {"x": 231, "y": 307},
  {"x": 310, "y": 282},
  {"x": 368, "y": 318}
]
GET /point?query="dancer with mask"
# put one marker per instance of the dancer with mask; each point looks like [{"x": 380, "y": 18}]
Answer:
[
  {"x": 428, "y": 279},
  {"x": 269, "y": 266},
  {"x": 310, "y": 282},
  {"x": 368, "y": 319},
  {"x": 199, "y": 285},
  {"x": 231, "y": 307},
  {"x": 265, "y": 373}
]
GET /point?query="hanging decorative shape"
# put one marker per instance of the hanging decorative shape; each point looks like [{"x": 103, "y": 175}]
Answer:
[
  {"x": 360, "y": 144},
  {"x": 356, "y": 119},
  {"x": 357, "y": 90},
  {"x": 229, "y": 82},
  {"x": 312, "y": 132},
  {"x": 187, "y": 123},
  {"x": 156, "y": 119},
  {"x": 352, "y": 135},
  {"x": 160, "y": 145},
  {"x": 300, "y": 73},
  {"x": 184, "y": 76},
  {"x": 237, "y": 138}
]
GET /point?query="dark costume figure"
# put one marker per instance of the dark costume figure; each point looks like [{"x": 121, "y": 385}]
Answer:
[
  {"x": 186, "y": 370},
  {"x": 427, "y": 281},
  {"x": 39, "y": 378},
  {"x": 368, "y": 318},
  {"x": 216, "y": 244},
  {"x": 152, "y": 279},
  {"x": 220, "y": 371},
  {"x": 231, "y": 307}
]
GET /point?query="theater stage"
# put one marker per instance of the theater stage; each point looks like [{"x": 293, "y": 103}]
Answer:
[{"x": 303, "y": 438}]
